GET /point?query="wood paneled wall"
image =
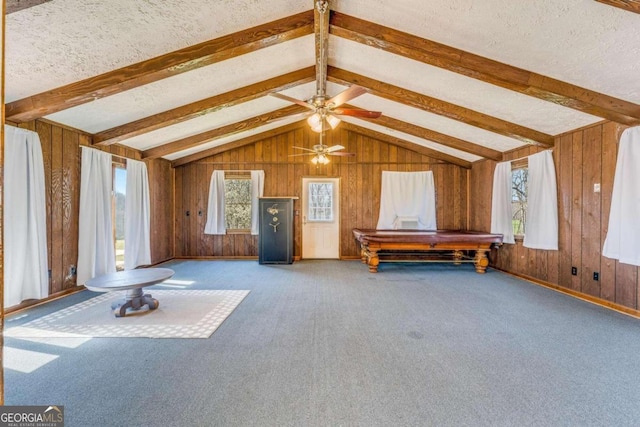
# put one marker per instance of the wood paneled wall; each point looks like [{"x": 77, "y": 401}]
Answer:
[
  {"x": 360, "y": 187},
  {"x": 61, "y": 156},
  {"x": 161, "y": 178},
  {"x": 582, "y": 158}
]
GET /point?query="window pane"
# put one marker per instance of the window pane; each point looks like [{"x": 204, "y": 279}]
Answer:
[
  {"x": 119, "y": 194},
  {"x": 519, "y": 200},
  {"x": 320, "y": 201},
  {"x": 237, "y": 196}
]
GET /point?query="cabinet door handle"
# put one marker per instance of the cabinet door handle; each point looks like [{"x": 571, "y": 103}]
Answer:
[{"x": 304, "y": 219}]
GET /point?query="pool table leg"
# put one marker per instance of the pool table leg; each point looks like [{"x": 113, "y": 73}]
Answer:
[
  {"x": 481, "y": 261},
  {"x": 373, "y": 260}
]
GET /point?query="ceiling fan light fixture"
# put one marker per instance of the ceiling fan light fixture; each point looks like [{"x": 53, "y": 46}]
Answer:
[
  {"x": 318, "y": 128},
  {"x": 320, "y": 158},
  {"x": 318, "y": 122},
  {"x": 315, "y": 121},
  {"x": 333, "y": 121}
]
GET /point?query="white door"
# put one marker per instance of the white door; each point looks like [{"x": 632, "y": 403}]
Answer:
[{"x": 320, "y": 218}]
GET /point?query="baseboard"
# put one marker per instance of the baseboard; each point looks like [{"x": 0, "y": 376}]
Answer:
[
  {"x": 161, "y": 262},
  {"x": 32, "y": 303},
  {"x": 585, "y": 297},
  {"x": 220, "y": 258}
]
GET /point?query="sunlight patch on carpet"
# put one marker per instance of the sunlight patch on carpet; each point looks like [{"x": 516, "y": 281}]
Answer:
[{"x": 181, "y": 314}]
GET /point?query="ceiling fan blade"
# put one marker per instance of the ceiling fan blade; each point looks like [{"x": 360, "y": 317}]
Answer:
[
  {"x": 302, "y": 154},
  {"x": 354, "y": 112},
  {"x": 342, "y": 154},
  {"x": 306, "y": 149},
  {"x": 335, "y": 148},
  {"x": 294, "y": 100},
  {"x": 346, "y": 95}
]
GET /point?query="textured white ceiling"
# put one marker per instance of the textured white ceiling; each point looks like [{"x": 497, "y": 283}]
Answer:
[
  {"x": 63, "y": 41},
  {"x": 579, "y": 41},
  {"x": 456, "y": 89},
  {"x": 188, "y": 87}
]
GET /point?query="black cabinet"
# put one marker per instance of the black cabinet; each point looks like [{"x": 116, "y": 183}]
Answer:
[{"x": 276, "y": 230}]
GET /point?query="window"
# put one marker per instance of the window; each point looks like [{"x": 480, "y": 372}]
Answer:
[
  {"x": 320, "y": 201},
  {"x": 519, "y": 189},
  {"x": 237, "y": 202},
  {"x": 117, "y": 211}
]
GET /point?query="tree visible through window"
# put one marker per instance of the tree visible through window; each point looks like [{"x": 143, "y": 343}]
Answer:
[
  {"x": 519, "y": 200},
  {"x": 119, "y": 195},
  {"x": 237, "y": 203}
]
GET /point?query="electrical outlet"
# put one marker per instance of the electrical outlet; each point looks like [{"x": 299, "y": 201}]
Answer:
[
  {"x": 596, "y": 276},
  {"x": 574, "y": 271}
]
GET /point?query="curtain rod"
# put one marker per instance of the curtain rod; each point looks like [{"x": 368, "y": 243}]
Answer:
[{"x": 524, "y": 157}]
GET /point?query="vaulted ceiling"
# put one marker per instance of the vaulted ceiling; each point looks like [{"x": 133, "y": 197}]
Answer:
[{"x": 461, "y": 80}]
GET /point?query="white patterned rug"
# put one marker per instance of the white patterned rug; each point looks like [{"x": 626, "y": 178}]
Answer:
[{"x": 181, "y": 314}]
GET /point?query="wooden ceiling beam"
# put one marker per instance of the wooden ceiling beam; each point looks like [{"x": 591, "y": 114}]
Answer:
[
  {"x": 213, "y": 134},
  {"x": 202, "y": 107},
  {"x": 18, "y": 5},
  {"x": 628, "y": 5},
  {"x": 321, "y": 30},
  {"x": 237, "y": 144},
  {"x": 160, "y": 67},
  {"x": 484, "y": 69},
  {"x": 344, "y": 125},
  {"x": 406, "y": 144},
  {"x": 436, "y": 106},
  {"x": 431, "y": 135}
]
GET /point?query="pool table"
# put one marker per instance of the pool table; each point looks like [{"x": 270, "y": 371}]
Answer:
[{"x": 446, "y": 245}]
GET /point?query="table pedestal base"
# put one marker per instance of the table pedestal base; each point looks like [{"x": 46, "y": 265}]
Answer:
[{"x": 135, "y": 300}]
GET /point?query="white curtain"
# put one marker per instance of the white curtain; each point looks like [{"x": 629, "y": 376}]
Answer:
[
  {"x": 257, "y": 191},
  {"x": 501, "y": 211},
  {"x": 408, "y": 195},
  {"x": 623, "y": 235},
  {"x": 542, "y": 203},
  {"x": 137, "y": 216},
  {"x": 215, "y": 209},
  {"x": 95, "y": 235},
  {"x": 26, "y": 273}
]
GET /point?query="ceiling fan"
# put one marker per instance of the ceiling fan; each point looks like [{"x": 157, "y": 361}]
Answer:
[
  {"x": 325, "y": 112},
  {"x": 321, "y": 152}
]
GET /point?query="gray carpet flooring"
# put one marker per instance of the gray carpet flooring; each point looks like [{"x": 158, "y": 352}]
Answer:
[{"x": 325, "y": 343}]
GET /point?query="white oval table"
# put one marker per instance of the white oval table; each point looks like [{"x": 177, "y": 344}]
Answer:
[{"x": 131, "y": 281}]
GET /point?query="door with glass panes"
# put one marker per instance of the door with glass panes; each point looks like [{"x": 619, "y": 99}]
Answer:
[{"x": 320, "y": 218}]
